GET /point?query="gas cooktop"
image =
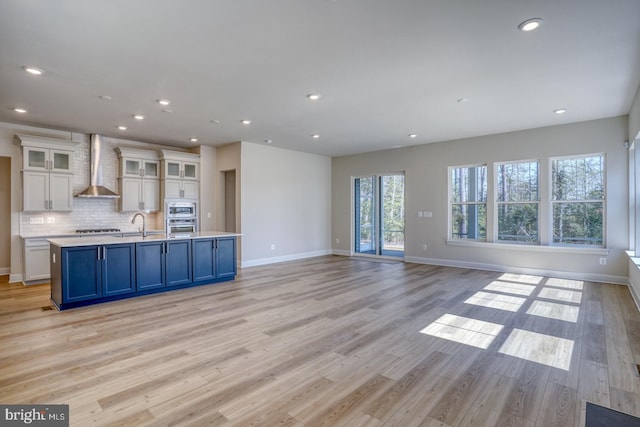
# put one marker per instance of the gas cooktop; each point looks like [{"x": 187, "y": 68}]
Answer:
[{"x": 97, "y": 230}]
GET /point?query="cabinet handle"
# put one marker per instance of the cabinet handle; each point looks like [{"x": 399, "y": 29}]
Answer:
[
  {"x": 167, "y": 244},
  {"x": 104, "y": 253}
]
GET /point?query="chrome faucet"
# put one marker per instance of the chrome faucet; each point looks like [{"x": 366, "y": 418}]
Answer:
[{"x": 144, "y": 222}]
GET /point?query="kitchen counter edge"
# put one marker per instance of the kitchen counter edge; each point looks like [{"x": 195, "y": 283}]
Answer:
[{"x": 114, "y": 240}]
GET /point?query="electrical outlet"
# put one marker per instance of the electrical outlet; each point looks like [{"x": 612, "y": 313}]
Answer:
[
  {"x": 36, "y": 220},
  {"x": 424, "y": 247},
  {"x": 51, "y": 220},
  {"x": 273, "y": 246},
  {"x": 603, "y": 261},
  {"x": 337, "y": 240}
]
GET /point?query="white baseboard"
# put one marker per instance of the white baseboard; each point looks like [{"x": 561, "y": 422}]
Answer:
[
  {"x": 13, "y": 278},
  {"x": 340, "y": 252},
  {"x": 4, "y": 271},
  {"x": 273, "y": 260},
  {"x": 603, "y": 278}
]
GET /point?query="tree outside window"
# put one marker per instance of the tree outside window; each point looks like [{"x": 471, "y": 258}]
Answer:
[
  {"x": 518, "y": 202},
  {"x": 578, "y": 197},
  {"x": 468, "y": 207}
]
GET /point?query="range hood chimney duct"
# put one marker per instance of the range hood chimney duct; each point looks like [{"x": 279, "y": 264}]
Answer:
[{"x": 96, "y": 188}]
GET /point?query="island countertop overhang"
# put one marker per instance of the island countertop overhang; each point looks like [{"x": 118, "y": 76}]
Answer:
[{"x": 66, "y": 242}]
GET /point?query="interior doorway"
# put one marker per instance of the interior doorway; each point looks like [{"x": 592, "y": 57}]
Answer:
[
  {"x": 5, "y": 215},
  {"x": 229, "y": 200}
]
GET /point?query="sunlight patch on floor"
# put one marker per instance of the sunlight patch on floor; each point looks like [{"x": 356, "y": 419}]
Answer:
[
  {"x": 539, "y": 348},
  {"x": 498, "y": 301},
  {"x": 565, "y": 283},
  {"x": 521, "y": 278},
  {"x": 510, "y": 288},
  {"x": 561, "y": 295},
  {"x": 552, "y": 310},
  {"x": 464, "y": 330}
]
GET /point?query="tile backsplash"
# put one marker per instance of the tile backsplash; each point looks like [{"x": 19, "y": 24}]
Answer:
[{"x": 87, "y": 213}]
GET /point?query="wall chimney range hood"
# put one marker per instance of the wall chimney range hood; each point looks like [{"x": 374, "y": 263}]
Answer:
[{"x": 96, "y": 188}]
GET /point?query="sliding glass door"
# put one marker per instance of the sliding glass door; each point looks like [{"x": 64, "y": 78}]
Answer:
[{"x": 379, "y": 215}]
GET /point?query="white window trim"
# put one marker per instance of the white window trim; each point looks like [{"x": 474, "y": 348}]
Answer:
[{"x": 451, "y": 202}]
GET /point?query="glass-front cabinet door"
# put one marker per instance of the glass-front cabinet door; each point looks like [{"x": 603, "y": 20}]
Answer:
[
  {"x": 132, "y": 167},
  {"x": 151, "y": 169},
  {"x": 190, "y": 171},
  {"x": 42, "y": 159}
]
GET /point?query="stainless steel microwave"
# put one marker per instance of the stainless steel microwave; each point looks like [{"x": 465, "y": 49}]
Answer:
[
  {"x": 181, "y": 209},
  {"x": 181, "y": 225}
]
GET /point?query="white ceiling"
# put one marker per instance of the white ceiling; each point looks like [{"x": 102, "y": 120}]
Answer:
[{"x": 385, "y": 68}]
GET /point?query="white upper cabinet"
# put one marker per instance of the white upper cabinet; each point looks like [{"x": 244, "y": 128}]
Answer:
[
  {"x": 180, "y": 175},
  {"x": 139, "y": 179},
  {"x": 47, "y": 169}
]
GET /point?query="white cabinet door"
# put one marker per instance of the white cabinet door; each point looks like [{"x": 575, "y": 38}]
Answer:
[
  {"x": 151, "y": 194},
  {"x": 172, "y": 189},
  {"x": 36, "y": 191},
  {"x": 190, "y": 170},
  {"x": 130, "y": 194},
  {"x": 190, "y": 189},
  {"x": 36, "y": 260},
  {"x": 60, "y": 192}
]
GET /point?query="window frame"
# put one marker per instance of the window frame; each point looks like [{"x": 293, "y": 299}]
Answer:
[
  {"x": 552, "y": 202},
  {"x": 451, "y": 202},
  {"x": 497, "y": 202}
]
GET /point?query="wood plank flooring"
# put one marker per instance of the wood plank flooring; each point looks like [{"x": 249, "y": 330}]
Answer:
[{"x": 331, "y": 341}]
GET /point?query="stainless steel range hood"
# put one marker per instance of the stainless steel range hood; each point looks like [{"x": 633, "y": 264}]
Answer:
[{"x": 96, "y": 189}]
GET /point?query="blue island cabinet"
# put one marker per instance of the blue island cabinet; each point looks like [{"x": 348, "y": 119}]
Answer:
[
  {"x": 163, "y": 264},
  {"x": 214, "y": 258},
  {"x": 92, "y": 272}
]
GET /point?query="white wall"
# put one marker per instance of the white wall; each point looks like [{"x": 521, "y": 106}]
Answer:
[
  {"x": 5, "y": 215},
  {"x": 426, "y": 175},
  {"x": 286, "y": 202},
  {"x": 208, "y": 185}
]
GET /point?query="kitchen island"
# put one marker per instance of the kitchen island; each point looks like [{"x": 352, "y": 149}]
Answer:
[{"x": 105, "y": 268}]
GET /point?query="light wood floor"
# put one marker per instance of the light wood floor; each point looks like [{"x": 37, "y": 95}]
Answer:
[{"x": 330, "y": 341}]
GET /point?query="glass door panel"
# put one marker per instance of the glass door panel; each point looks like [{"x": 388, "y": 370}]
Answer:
[
  {"x": 365, "y": 225},
  {"x": 379, "y": 215},
  {"x": 392, "y": 215}
]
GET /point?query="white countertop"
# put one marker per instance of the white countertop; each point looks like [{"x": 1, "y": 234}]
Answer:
[
  {"x": 73, "y": 234},
  {"x": 106, "y": 239}
]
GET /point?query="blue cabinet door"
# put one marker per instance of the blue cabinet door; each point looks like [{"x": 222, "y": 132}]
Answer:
[
  {"x": 204, "y": 265},
  {"x": 81, "y": 273},
  {"x": 226, "y": 257},
  {"x": 118, "y": 270},
  {"x": 150, "y": 265},
  {"x": 178, "y": 262}
]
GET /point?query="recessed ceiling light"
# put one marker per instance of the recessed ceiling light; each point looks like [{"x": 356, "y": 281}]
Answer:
[
  {"x": 34, "y": 70},
  {"x": 462, "y": 100},
  {"x": 193, "y": 139},
  {"x": 167, "y": 110},
  {"x": 315, "y": 136},
  {"x": 245, "y": 121},
  {"x": 122, "y": 127},
  {"x": 20, "y": 110},
  {"x": 215, "y": 121},
  {"x": 164, "y": 102},
  {"x": 412, "y": 135},
  {"x": 314, "y": 96},
  {"x": 268, "y": 141},
  {"x": 138, "y": 116},
  {"x": 530, "y": 24},
  {"x": 105, "y": 97},
  {"x": 560, "y": 111}
]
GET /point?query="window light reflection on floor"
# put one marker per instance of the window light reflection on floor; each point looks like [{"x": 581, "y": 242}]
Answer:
[
  {"x": 565, "y": 283},
  {"x": 539, "y": 348},
  {"x": 563, "y": 295},
  {"x": 552, "y": 310},
  {"x": 464, "y": 330},
  {"x": 521, "y": 278},
  {"x": 510, "y": 288},
  {"x": 498, "y": 301}
]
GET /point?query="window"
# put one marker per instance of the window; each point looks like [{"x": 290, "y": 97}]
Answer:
[
  {"x": 545, "y": 202},
  {"x": 468, "y": 202},
  {"x": 518, "y": 202},
  {"x": 578, "y": 195}
]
